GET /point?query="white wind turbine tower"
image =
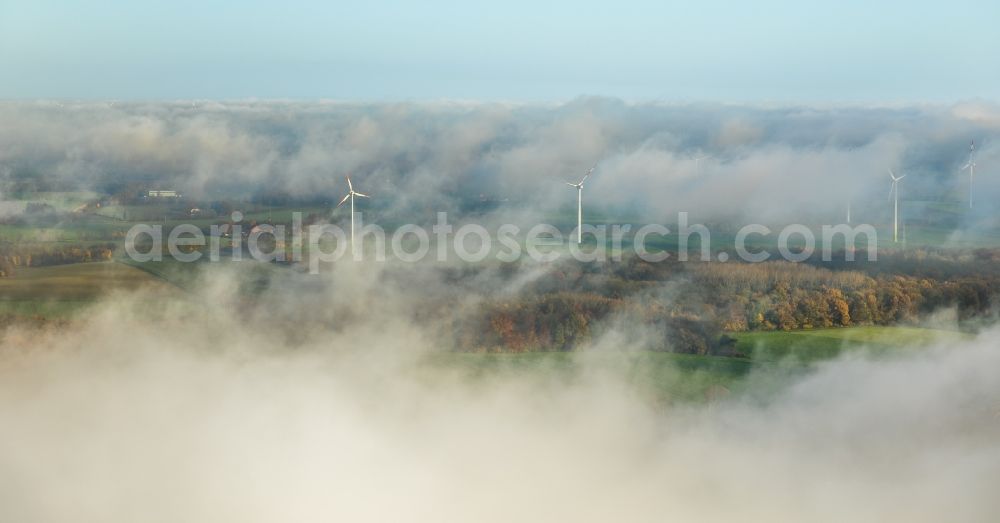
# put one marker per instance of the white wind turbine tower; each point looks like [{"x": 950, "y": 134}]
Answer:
[
  {"x": 894, "y": 194},
  {"x": 850, "y": 197},
  {"x": 971, "y": 166},
  {"x": 351, "y": 195},
  {"x": 579, "y": 204},
  {"x": 698, "y": 159}
]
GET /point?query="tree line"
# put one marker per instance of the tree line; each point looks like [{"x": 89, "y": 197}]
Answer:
[
  {"x": 691, "y": 307},
  {"x": 13, "y": 258}
]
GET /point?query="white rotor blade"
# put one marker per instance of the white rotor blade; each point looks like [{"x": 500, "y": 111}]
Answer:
[
  {"x": 571, "y": 184},
  {"x": 344, "y": 200},
  {"x": 361, "y": 195},
  {"x": 901, "y": 177},
  {"x": 349, "y": 184},
  {"x": 892, "y": 188}
]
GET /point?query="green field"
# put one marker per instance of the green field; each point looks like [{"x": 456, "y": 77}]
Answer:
[
  {"x": 61, "y": 201},
  {"x": 773, "y": 359},
  {"x": 818, "y": 344},
  {"x": 62, "y": 289}
]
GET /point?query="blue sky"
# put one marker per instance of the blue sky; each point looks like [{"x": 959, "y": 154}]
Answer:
[{"x": 772, "y": 51}]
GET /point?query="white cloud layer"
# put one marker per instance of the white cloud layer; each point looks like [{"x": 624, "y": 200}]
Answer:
[
  {"x": 762, "y": 162},
  {"x": 209, "y": 414}
]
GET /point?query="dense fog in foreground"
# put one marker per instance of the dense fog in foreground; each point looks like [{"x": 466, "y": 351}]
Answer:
[
  {"x": 313, "y": 398},
  {"x": 212, "y": 409},
  {"x": 758, "y": 162}
]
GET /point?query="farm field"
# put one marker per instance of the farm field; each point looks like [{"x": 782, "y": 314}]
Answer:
[
  {"x": 62, "y": 289},
  {"x": 671, "y": 376},
  {"x": 819, "y": 344}
]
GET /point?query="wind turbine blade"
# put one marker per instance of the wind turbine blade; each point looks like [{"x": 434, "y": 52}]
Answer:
[
  {"x": 571, "y": 184},
  {"x": 901, "y": 177},
  {"x": 344, "y": 200},
  {"x": 892, "y": 174},
  {"x": 361, "y": 195},
  {"x": 892, "y": 188},
  {"x": 349, "y": 184}
]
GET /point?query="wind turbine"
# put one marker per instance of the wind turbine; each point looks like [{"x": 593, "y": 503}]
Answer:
[
  {"x": 351, "y": 195},
  {"x": 894, "y": 195},
  {"x": 579, "y": 204},
  {"x": 698, "y": 159},
  {"x": 850, "y": 197},
  {"x": 971, "y": 166}
]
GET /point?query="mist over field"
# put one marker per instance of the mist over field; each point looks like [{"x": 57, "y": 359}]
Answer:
[
  {"x": 753, "y": 162},
  {"x": 533, "y": 391},
  {"x": 636, "y": 261},
  {"x": 328, "y": 404}
]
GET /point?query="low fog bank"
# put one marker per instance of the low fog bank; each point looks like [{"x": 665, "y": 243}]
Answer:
[
  {"x": 212, "y": 410},
  {"x": 755, "y": 162}
]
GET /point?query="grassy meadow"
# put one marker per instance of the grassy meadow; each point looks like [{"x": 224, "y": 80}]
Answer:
[
  {"x": 63, "y": 289},
  {"x": 772, "y": 359}
]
